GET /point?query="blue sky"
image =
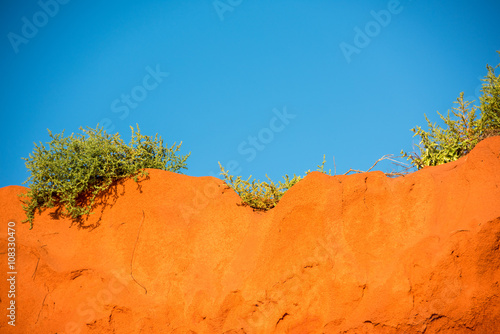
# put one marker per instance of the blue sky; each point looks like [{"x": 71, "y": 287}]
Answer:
[{"x": 261, "y": 86}]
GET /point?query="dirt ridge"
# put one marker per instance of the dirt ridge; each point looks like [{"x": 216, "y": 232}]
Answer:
[{"x": 339, "y": 254}]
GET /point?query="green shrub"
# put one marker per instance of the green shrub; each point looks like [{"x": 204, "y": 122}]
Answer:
[
  {"x": 463, "y": 128},
  {"x": 490, "y": 103},
  {"x": 438, "y": 145},
  {"x": 262, "y": 196},
  {"x": 73, "y": 170}
]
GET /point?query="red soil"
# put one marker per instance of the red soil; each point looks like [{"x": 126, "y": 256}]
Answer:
[{"x": 339, "y": 254}]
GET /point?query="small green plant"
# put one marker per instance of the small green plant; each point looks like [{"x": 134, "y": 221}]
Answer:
[
  {"x": 490, "y": 103},
  {"x": 321, "y": 168},
  {"x": 464, "y": 129},
  {"x": 259, "y": 195},
  {"x": 438, "y": 145},
  {"x": 263, "y": 196},
  {"x": 73, "y": 170}
]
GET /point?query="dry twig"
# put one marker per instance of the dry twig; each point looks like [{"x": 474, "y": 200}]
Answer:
[{"x": 389, "y": 157}]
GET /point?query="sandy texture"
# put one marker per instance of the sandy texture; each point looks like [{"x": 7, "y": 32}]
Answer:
[{"x": 339, "y": 254}]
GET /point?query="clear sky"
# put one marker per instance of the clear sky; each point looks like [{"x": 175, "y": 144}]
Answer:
[{"x": 261, "y": 86}]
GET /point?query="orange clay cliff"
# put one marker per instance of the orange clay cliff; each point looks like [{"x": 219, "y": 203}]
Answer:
[{"x": 339, "y": 254}]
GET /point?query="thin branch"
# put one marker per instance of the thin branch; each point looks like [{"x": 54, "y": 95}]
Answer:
[{"x": 391, "y": 174}]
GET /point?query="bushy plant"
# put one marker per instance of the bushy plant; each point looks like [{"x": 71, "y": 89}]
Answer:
[
  {"x": 258, "y": 195},
  {"x": 464, "y": 129},
  {"x": 490, "y": 103},
  {"x": 440, "y": 145},
  {"x": 264, "y": 195},
  {"x": 72, "y": 171}
]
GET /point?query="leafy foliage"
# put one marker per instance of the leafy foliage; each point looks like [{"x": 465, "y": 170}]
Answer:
[
  {"x": 438, "y": 145},
  {"x": 490, "y": 103},
  {"x": 262, "y": 195},
  {"x": 464, "y": 129},
  {"x": 73, "y": 170},
  {"x": 321, "y": 168},
  {"x": 259, "y": 195}
]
